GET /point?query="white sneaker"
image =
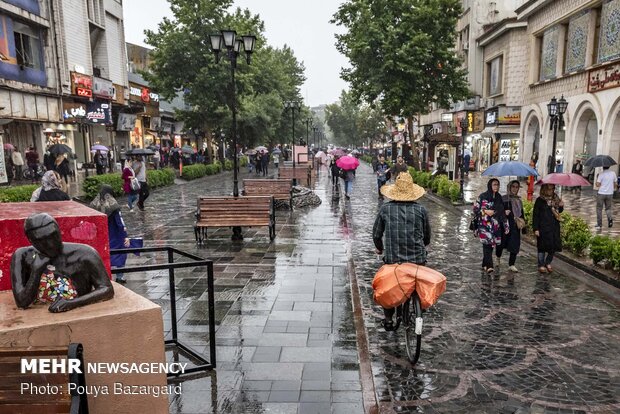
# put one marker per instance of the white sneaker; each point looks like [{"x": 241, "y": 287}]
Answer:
[
  {"x": 597, "y": 227},
  {"x": 131, "y": 210},
  {"x": 513, "y": 269}
]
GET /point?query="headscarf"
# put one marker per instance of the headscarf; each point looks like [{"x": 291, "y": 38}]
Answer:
[
  {"x": 51, "y": 180},
  {"x": 547, "y": 193},
  {"x": 496, "y": 199},
  {"x": 105, "y": 201},
  {"x": 515, "y": 201}
]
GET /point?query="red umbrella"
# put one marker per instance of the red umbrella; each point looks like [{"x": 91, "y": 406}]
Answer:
[
  {"x": 347, "y": 162},
  {"x": 565, "y": 179}
]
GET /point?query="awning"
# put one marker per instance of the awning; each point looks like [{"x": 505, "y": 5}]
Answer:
[{"x": 500, "y": 129}]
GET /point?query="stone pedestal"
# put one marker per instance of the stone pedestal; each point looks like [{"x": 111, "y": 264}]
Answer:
[
  {"x": 128, "y": 328},
  {"x": 78, "y": 224}
]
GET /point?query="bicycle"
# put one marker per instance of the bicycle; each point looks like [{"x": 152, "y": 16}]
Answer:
[
  {"x": 28, "y": 174},
  {"x": 410, "y": 314}
]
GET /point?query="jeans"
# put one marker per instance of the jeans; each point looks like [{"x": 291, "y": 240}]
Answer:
[
  {"x": 606, "y": 201},
  {"x": 380, "y": 183},
  {"x": 544, "y": 261},
  {"x": 348, "y": 187},
  {"x": 131, "y": 198}
]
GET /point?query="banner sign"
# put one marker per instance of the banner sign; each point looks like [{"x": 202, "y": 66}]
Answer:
[
  {"x": 81, "y": 85},
  {"x": 509, "y": 115},
  {"x": 126, "y": 122},
  {"x": 99, "y": 112},
  {"x": 104, "y": 88}
]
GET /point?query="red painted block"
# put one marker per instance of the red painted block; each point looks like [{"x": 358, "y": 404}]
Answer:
[{"x": 78, "y": 224}]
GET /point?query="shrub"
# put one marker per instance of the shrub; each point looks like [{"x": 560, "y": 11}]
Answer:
[
  {"x": 602, "y": 247},
  {"x": 528, "y": 208},
  {"x": 243, "y": 162},
  {"x": 367, "y": 158},
  {"x": 160, "y": 178},
  {"x": 214, "y": 168},
  {"x": 576, "y": 235},
  {"x": 93, "y": 183},
  {"x": 436, "y": 182},
  {"x": 228, "y": 165},
  {"x": 455, "y": 192},
  {"x": 191, "y": 172},
  {"x": 443, "y": 189},
  {"x": 17, "y": 194},
  {"x": 615, "y": 254}
]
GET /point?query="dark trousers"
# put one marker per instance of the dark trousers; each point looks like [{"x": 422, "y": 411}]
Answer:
[
  {"x": 18, "y": 172},
  {"x": 544, "y": 261},
  {"x": 144, "y": 194},
  {"x": 511, "y": 260},
  {"x": 380, "y": 183},
  {"x": 487, "y": 256}
]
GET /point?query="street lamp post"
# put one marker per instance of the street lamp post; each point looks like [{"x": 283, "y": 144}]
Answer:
[
  {"x": 314, "y": 131},
  {"x": 464, "y": 125},
  {"x": 308, "y": 123},
  {"x": 229, "y": 40},
  {"x": 556, "y": 111},
  {"x": 293, "y": 106}
]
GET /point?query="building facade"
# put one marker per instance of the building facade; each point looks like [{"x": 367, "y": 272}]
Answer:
[{"x": 573, "y": 50}]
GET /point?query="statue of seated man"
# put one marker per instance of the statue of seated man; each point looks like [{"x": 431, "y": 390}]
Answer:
[{"x": 78, "y": 262}]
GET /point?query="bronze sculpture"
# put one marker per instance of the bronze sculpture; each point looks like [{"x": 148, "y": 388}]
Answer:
[{"x": 81, "y": 264}]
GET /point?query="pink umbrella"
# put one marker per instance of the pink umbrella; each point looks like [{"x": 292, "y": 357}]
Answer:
[
  {"x": 347, "y": 162},
  {"x": 8, "y": 146},
  {"x": 565, "y": 179},
  {"x": 338, "y": 153}
]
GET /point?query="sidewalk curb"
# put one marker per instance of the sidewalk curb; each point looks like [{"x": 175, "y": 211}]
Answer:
[{"x": 587, "y": 270}]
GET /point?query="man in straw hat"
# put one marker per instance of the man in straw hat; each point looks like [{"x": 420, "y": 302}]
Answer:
[{"x": 406, "y": 228}]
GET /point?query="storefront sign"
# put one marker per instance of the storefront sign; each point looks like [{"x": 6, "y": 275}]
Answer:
[
  {"x": 446, "y": 117},
  {"x": 81, "y": 85},
  {"x": 457, "y": 120},
  {"x": 470, "y": 122},
  {"x": 119, "y": 96},
  {"x": 509, "y": 115},
  {"x": 605, "y": 77},
  {"x": 126, "y": 122},
  {"x": 72, "y": 111},
  {"x": 99, "y": 112},
  {"x": 142, "y": 94},
  {"x": 478, "y": 121},
  {"x": 103, "y": 88},
  {"x": 491, "y": 117}
]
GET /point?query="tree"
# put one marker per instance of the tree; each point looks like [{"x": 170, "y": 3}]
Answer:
[
  {"x": 352, "y": 124},
  {"x": 182, "y": 61},
  {"x": 402, "y": 53}
]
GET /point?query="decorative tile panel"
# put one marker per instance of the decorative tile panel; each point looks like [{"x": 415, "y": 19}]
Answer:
[
  {"x": 577, "y": 42},
  {"x": 549, "y": 53},
  {"x": 609, "y": 39}
]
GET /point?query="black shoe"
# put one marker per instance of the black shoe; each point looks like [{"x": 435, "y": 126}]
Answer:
[
  {"x": 610, "y": 223},
  {"x": 388, "y": 325}
]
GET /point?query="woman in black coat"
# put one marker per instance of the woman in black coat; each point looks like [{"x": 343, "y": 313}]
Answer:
[
  {"x": 513, "y": 208},
  {"x": 546, "y": 225}
]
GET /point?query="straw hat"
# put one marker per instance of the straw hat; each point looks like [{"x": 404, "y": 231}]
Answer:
[{"x": 403, "y": 189}]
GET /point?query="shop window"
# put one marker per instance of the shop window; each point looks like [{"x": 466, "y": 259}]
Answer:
[
  {"x": 495, "y": 69},
  {"x": 576, "y": 43},
  {"x": 27, "y": 46},
  {"x": 609, "y": 31},
  {"x": 95, "y": 11},
  {"x": 549, "y": 53}
]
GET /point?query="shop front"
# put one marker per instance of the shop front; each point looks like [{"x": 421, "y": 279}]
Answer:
[
  {"x": 442, "y": 150},
  {"x": 147, "y": 124}
]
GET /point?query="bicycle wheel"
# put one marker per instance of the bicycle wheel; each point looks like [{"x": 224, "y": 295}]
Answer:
[{"x": 412, "y": 314}]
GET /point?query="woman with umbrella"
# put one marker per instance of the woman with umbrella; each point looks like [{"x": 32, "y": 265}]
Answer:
[
  {"x": 348, "y": 164},
  {"x": 546, "y": 224},
  {"x": 490, "y": 222},
  {"x": 513, "y": 208},
  {"x": 99, "y": 162}
]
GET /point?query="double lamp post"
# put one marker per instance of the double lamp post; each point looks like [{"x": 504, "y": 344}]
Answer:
[{"x": 556, "y": 109}]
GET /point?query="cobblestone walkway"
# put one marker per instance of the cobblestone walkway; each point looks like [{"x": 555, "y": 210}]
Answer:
[
  {"x": 521, "y": 343},
  {"x": 285, "y": 336}
]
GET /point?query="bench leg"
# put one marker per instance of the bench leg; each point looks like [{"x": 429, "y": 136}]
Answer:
[
  {"x": 197, "y": 234},
  {"x": 237, "y": 233}
]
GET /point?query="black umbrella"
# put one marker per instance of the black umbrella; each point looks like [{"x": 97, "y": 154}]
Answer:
[
  {"x": 60, "y": 149},
  {"x": 600, "y": 161},
  {"x": 140, "y": 151}
]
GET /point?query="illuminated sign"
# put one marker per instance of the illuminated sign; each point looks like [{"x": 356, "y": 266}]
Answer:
[{"x": 81, "y": 85}]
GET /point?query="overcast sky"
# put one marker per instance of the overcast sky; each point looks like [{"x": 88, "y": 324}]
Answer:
[{"x": 301, "y": 24}]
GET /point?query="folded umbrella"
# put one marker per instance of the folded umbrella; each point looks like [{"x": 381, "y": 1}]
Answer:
[
  {"x": 600, "y": 161},
  {"x": 60, "y": 149},
  {"x": 347, "y": 163},
  {"x": 565, "y": 179},
  {"x": 509, "y": 168}
]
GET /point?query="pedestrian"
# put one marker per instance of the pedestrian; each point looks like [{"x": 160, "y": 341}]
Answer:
[
  {"x": 276, "y": 160},
  {"x": 606, "y": 183},
  {"x": 559, "y": 167},
  {"x": 51, "y": 188},
  {"x": 546, "y": 224},
  {"x": 348, "y": 176},
  {"x": 490, "y": 222},
  {"x": 513, "y": 208},
  {"x": 32, "y": 160},
  {"x": 335, "y": 171},
  {"x": 105, "y": 203},
  {"x": 139, "y": 168},
  {"x": 466, "y": 161},
  {"x": 18, "y": 162},
  {"x": 128, "y": 188},
  {"x": 61, "y": 166},
  {"x": 110, "y": 161},
  {"x": 99, "y": 162},
  {"x": 48, "y": 160},
  {"x": 156, "y": 159},
  {"x": 250, "y": 163},
  {"x": 265, "y": 163},
  {"x": 382, "y": 170},
  {"x": 8, "y": 163},
  {"x": 398, "y": 167},
  {"x": 577, "y": 167},
  {"x": 258, "y": 164},
  {"x": 406, "y": 227}
]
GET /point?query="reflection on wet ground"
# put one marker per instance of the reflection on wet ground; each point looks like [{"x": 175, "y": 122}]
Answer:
[
  {"x": 285, "y": 336},
  {"x": 508, "y": 343}
]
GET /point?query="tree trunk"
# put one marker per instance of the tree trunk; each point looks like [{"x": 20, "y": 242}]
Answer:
[
  {"x": 209, "y": 138},
  {"x": 412, "y": 146}
]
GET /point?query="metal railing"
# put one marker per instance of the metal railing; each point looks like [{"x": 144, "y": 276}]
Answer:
[{"x": 204, "y": 364}]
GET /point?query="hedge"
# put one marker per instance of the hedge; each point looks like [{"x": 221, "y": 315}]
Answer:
[
  {"x": 21, "y": 193},
  {"x": 191, "y": 172},
  {"x": 155, "y": 178}
]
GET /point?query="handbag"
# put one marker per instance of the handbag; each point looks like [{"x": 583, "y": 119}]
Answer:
[
  {"x": 473, "y": 224},
  {"x": 520, "y": 223},
  {"x": 134, "y": 184}
]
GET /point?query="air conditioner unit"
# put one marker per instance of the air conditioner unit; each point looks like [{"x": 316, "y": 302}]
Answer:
[
  {"x": 465, "y": 45},
  {"x": 490, "y": 103}
]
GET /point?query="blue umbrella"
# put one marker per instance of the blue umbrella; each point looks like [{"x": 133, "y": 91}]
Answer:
[{"x": 508, "y": 168}]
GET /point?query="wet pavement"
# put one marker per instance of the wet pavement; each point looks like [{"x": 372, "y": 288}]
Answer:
[
  {"x": 285, "y": 338},
  {"x": 579, "y": 201},
  {"x": 509, "y": 343}
]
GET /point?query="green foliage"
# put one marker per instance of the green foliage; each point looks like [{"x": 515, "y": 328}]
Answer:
[
  {"x": 243, "y": 162},
  {"x": 575, "y": 233},
  {"x": 367, "y": 158},
  {"x": 421, "y": 178},
  {"x": 601, "y": 247},
  {"x": 455, "y": 192},
  {"x": 436, "y": 182},
  {"x": 21, "y": 193},
  {"x": 528, "y": 208},
  {"x": 160, "y": 178},
  {"x": 191, "y": 172},
  {"x": 354, "y": 125},
  {"x": 402, "y": 53},
  {"x": 93, "y": 183},
  {"x": 443, "y": 188},
  {"x": 615, "y": 255},
  {"x": 228, "y": 165}
]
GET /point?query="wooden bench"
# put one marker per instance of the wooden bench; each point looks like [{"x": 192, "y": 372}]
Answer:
[
  {"x": 279, "y": 189},
  {"x": 301, "y": 173},
  {"x": 53, "y": 395},
  {"x": 245, "y": 211}
]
